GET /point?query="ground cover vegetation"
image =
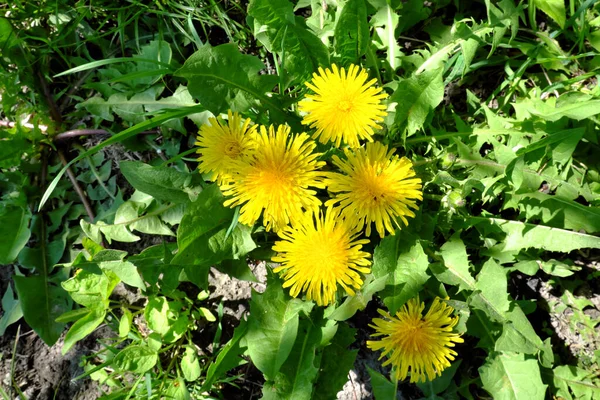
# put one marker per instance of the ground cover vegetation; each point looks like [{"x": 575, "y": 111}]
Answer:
[{"x": 420, "y": 178}]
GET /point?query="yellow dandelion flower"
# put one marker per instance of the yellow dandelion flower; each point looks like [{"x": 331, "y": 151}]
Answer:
[
  {"x": 375, "y": 186},
  {"x": 345, "y": 107},
  {"x": 318, "y": 253},
  {"x": 277, "y": 180},
  {"x": 419, "y": 345},
  {"x": 221, "y": 143}
]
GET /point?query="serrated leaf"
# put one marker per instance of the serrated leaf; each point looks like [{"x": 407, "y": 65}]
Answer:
[
  {"x": 416, "y": 96},
  {"x": 352, "y": 31},
  {"x": 385, "y": 22},
  {"x": 555, "y": 9},
  {"x": 282, "y": 32},
  {"x": 493, "y": 285},
  {"x": 402, "y": 259},
  {"x": 383, "y": 389},
  {"x": 575, "y": 383},
  {"x": 202, "y": 235},
  {"x": 455, "y": 270},
  {"x": 518, "y": 335},
  {"x": 509, "y": 376},
  {"x": 359, "y": 301},
  {"x": 222, "y": 78},
  {"x": 273, "y": 328}
]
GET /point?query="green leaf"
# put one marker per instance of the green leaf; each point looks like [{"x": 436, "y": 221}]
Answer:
[
  {"x": 336, "y": 362},
  {"x": 136, "y": 358},
  {"x": 273, "y": 328},
  {"x": 385, "y": 22},
  {"x": 127, "y": 133},
  {"x": 126, "y": 271},
  {"x": 177, "y": 390},
  {"x": 190, "y": 366},
  {"x": 202, "y": 235},
  {"x": 83, "y": 327},
  {"x": 555, "y": 9},
  {"x": 455, "y": 270},
  {"x": 227, "y": 358},
  {"x": 401, "y": 258},
  {"x": 352, "y": 31},
  {"x": 383, "y": 389},
  {"x": 520, "y": 236},
  {"x": 359, "y": 301},
  {"x": 42, "y": 303},
  {"x": 91, "y": 289},
  {"x": 493, "y": 286},
  {"x": 162, "y": 183},
  {"x": 222, "y": 78},
  {"x": 572, "y": 382},
  {"x": 440, "y": 383},
  {"x": 574, "y": 110},
  {"x": 125, "y": 323},
  {"x": 296, "y": 377},
  {"x": 281, "y": 32},
  {"x": 509, "y": 376},
  {"x": 518, "y": 335},
  {"x": 156, "y": 314},
  {"x": 416, "y": 96},
  {"x": 12, "y": 310},
  {"x": 14, "y": 230}
]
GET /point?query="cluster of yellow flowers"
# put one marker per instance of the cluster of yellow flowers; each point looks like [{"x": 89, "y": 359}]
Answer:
[{"x": 270, "y": 172}]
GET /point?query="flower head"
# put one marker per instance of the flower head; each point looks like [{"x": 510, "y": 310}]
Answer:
[
  {"x": 419, "y": 345},
  {"x": 375, "y": 187},
  {"x": 277, "y": 179},
  {"x": 318, "y": 253},
  {"x": 222, "y": 143},
  {"x": 345, "y": 107}
]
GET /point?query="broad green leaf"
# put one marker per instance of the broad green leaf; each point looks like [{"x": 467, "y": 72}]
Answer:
[
  {"x": 416, "y": 96},
  {"x": 273, "y": 328},
  {"x": 385, "y": 22},
  {"x": 222, "y": 78},
  {"x": 336, "y": 362},
  {"x": 574, "y": 110},
  {"x": 493, "y": 286},
  {"x": 156, "y": 314},
  {"x": 90, "y": 287},
  {"x": 126, "y": 271},
  {"x": 125, "y": 323},
  {"x": 190, "y": 366},
  {"x": 520, "y": 236},
  {"x": 518, "y": 335},
  {"x": 42, "y": 302},
  {"x": 202, "y": 235},
  {"x": 12, "y": 310},
  {"x": 383, "y": 389},
  {"x": 455, "y": 270},
  {"x": 177, "y": 390},
  {"x": 575, "y": 383},
  {"x": 555, "y": 9},
  {"x": 295, "y": 379},
  {"x": 227, "y": 358},
  {"x": 280, "y": 31},
  {"x": 82, "y": 328},
  {"x": 162, "y": 183},
  {"x": 135, "y": 358},
  {"x": 359, "y": 301},
  {"x": 556, "y": 211},
  {"x": 352, "y": 31},
  {"x": 14, "y": 230},
  {"x": 402, "y": 259},
  {"x": 509, "y": 376}
]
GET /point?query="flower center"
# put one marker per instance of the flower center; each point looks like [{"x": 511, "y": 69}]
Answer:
[
  {"x": 233, "y": 149},
  {"x": 344, "y": 105}
]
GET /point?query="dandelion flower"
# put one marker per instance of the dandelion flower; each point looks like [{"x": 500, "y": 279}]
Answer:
[
  {"x": 222, "y": 143},
  {"x": 419, "y": 345},
  {"x": 345, "y": 107},
  {"x": 277, "y": 180},
  {"x": 318, "y": 253},
  {"x": 375, "y": 187}
]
